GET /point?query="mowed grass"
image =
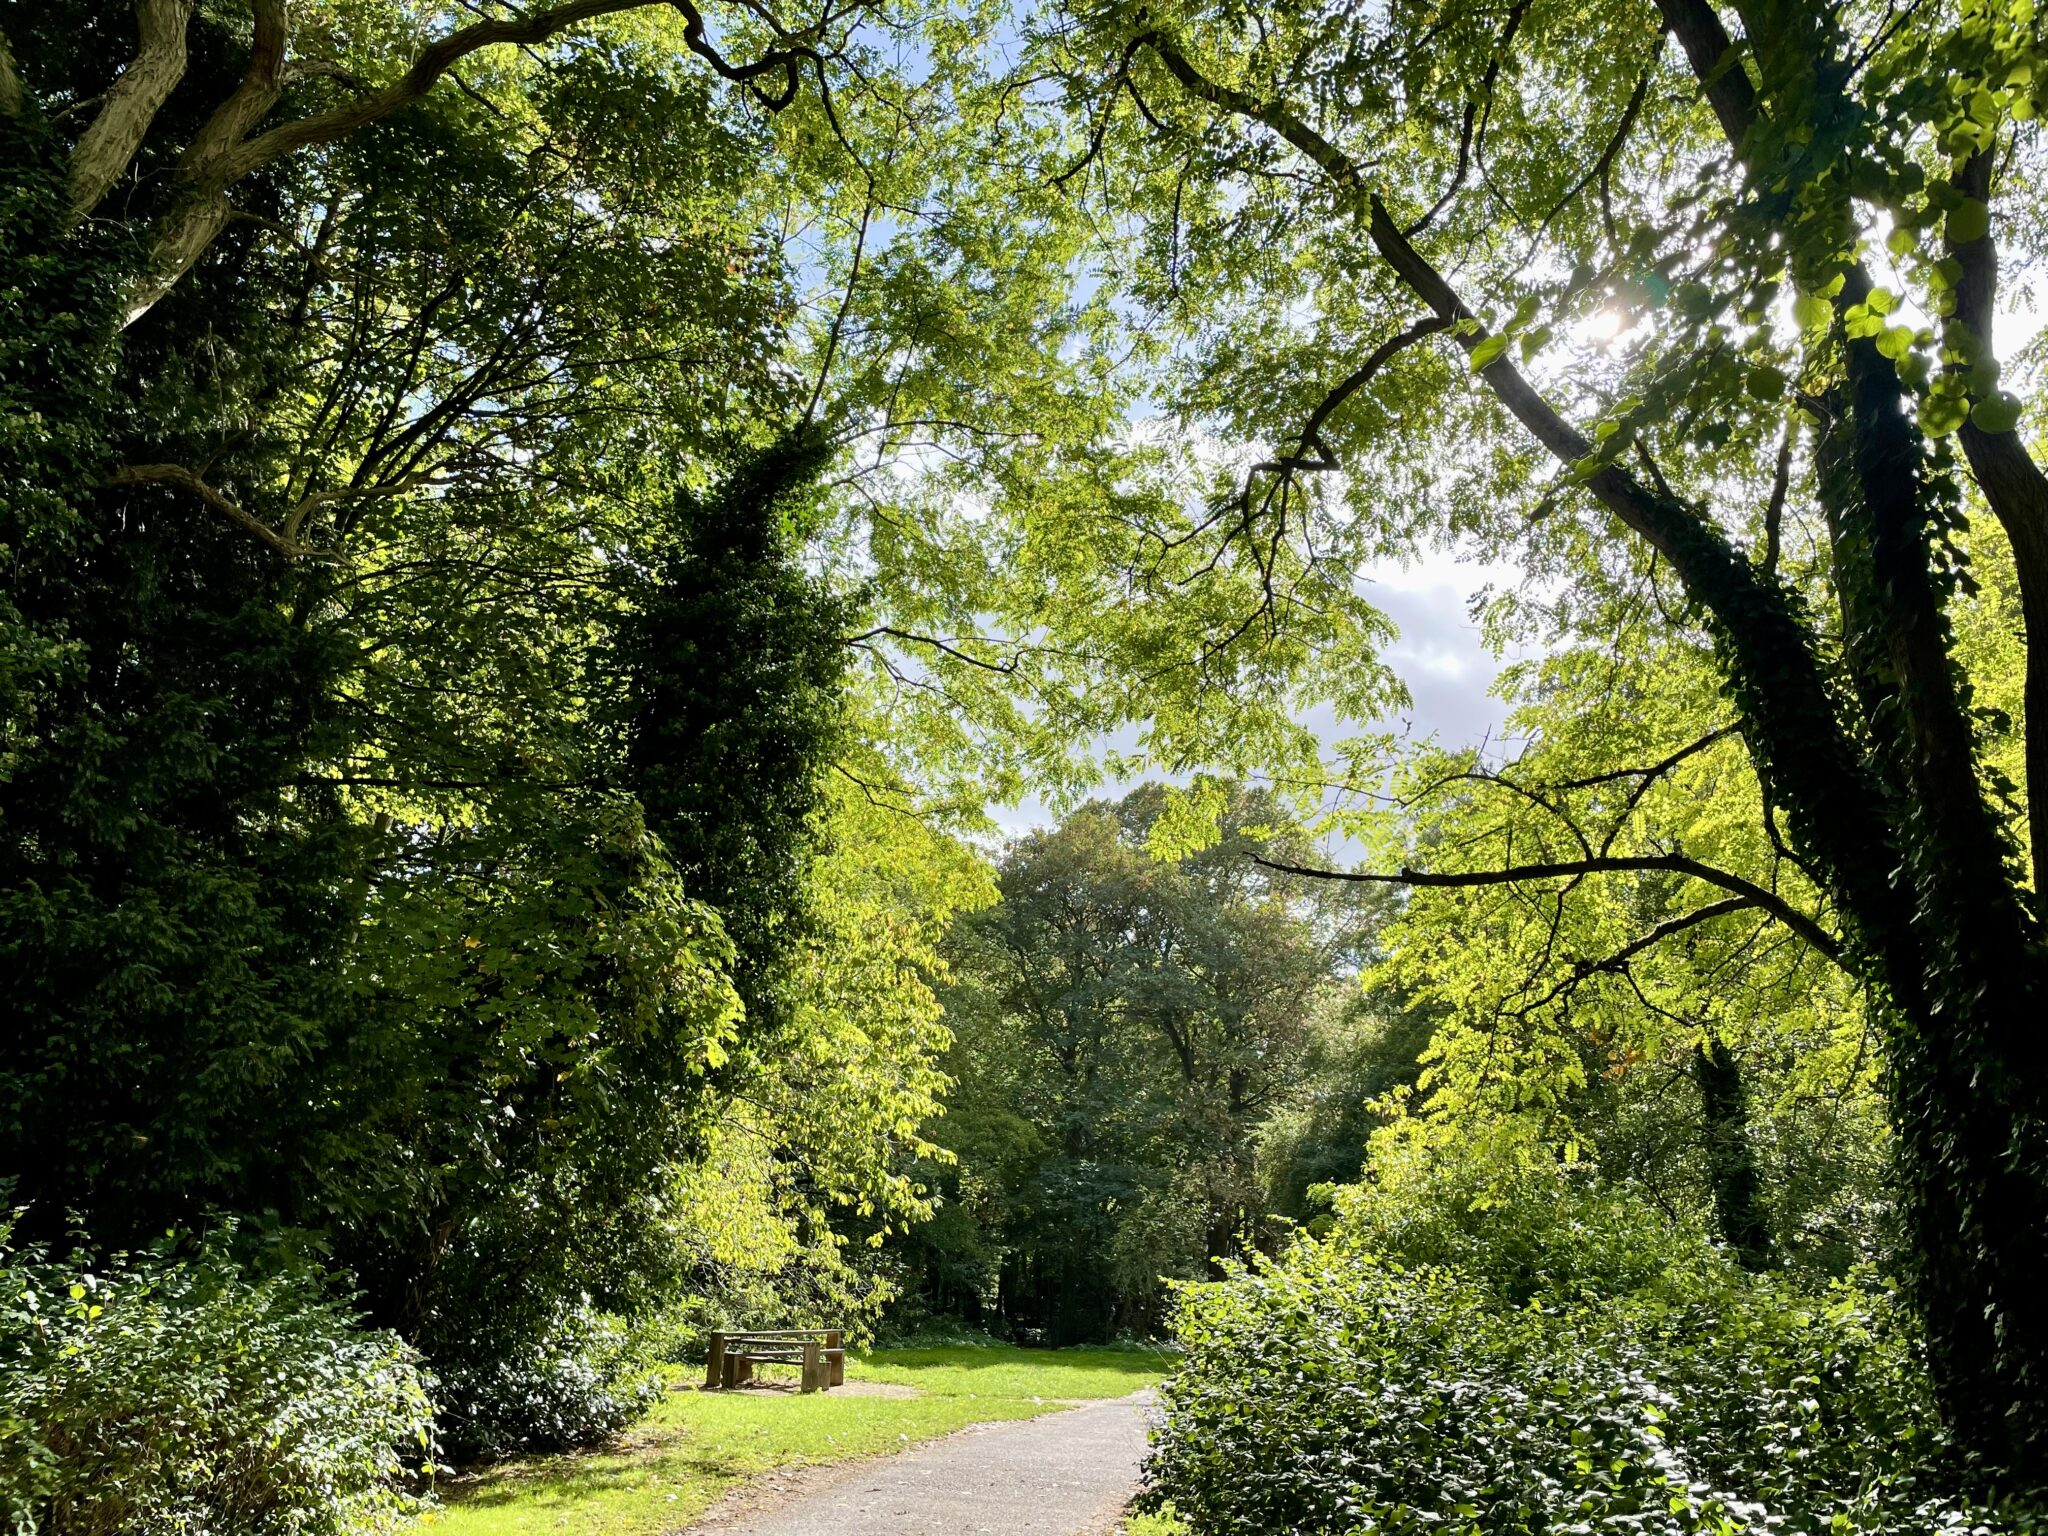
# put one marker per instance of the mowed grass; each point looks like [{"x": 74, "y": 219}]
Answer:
[{"x": 698, "y": 1446}]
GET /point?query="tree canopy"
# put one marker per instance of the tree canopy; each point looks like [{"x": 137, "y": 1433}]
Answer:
[{"x": 532, "y": 540}]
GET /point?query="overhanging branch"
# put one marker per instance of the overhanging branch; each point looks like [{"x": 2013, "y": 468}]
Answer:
[
  {"x": 179, "y": 475},
  {"x": 1516, "y": 874},
  {"x": 224, "y": 152}
]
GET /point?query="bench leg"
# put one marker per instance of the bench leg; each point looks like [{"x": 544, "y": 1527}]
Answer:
[
  {"x": 834, "y": 1341},
  {"x": 814, "y": 1375},
  {"x": 714, "y": 1363}
]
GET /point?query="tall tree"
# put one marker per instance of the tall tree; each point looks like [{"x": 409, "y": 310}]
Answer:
[
  {"x": 1725, "y": 287},
  {"x": 1127, "y": 1023}
]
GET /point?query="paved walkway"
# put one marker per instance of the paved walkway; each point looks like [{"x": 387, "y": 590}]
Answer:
[{"x": 1066, "y": 1474}]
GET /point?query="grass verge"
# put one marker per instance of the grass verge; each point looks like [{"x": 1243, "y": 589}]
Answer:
[{"x": 696, "y": 1447}]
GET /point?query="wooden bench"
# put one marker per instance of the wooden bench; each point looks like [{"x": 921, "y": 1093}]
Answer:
[{"x": 817, "y": 1351}]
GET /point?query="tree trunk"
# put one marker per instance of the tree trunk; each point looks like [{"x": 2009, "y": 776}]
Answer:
[{"x": 1732, "y": 1177}]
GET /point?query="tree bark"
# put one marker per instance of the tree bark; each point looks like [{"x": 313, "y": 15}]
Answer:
[
  {"x": 2017, "y": 493},
  {"x": 11, "y": 98},
  {"x": 107, "y": 147}
]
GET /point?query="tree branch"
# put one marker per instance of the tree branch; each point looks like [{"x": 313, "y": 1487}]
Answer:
[
  {"x": 224, "y": 154},
  {"x": 250, "y": 102},
  {"x": 1617, "y": 963},
  {"x": 1907, "y": 643},
  {"x": 1663, "y": 931},
  {"x": 1774, "y": 509},
  {"x": 1476, "y": 112},
  {"x": 1311, "y": 437},
  {"x": 2017, "y": 493},
  {"x": 1657, "y": 769},
  {"x": 1802, "y": 748},
  {"x": 1670, "y": 863},
  {"x": 1004, "y": 667},
  {"x": 108, "y": 145},
  {"x": 179, "y": 475}
]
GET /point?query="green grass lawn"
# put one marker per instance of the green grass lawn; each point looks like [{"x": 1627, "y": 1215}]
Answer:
[{"x": 697, "y": 1446}]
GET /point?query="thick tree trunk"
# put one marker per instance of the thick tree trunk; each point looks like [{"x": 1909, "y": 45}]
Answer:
[
  {"x": 2015, "y": 490},
  {"x": 1958, "y": 993}
]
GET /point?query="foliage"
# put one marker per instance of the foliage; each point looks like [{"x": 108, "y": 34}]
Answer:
[
  {"x": 1689, "y": 326},
  {"x": 1363, "y": 1051},
  {"x": 472, "y": 474},
  {"x": 1551, "y": 1357},
  {"x": 1601, "y": 1011},
  {"x": 576, "y": 1379},
  {"x": 434, "y": 613},
  {"x": 160, "y": 1393},
  {"x": 392, "y": 873},
  {"x": 1127, "y": 1022}
]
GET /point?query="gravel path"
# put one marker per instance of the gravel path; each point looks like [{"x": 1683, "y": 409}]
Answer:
[{"x": 1067, "y": 1474}]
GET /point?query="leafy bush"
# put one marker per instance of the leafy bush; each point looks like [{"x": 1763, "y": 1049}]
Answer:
[
  {"x": 154, "y": 1394},
  {"x": 1373, "y": 1393},
  {"x": 577, "y": 1380}
]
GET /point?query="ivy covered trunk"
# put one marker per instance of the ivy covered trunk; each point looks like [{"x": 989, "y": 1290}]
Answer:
[{"x": 1731, "y": 1155}]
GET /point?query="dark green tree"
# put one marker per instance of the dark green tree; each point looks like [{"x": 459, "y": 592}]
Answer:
[{"x": 1127, "y": 1023}]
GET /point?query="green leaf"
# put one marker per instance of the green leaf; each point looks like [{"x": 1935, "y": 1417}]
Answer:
[
  {"x": 1996, "y": 413},
  {"x": 1766, "y": 383},
  {"x": 1489, "y": 350},
  {"x": 1969, "y": 220}
]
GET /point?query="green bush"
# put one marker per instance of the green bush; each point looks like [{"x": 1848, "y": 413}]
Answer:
[
  {"x": 1346, "y": 1388},
  {"x": 575, "y": 1380},
  {"x": 159, "y": 1395}
]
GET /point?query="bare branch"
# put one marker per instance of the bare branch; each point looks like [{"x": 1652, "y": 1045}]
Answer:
[
  {"x": 1663, "y": 931},
  {"x": 179, "y": 475},
  {"x": 1311, "y": 437},
  {"x": 1603, "y": 167},
  {"x": 932, "y": 641},
  {"x": 860, "y": 246},
  {"x": 1774, "y": 509},
  {"x": 1655, "y": 770},
  {"x": 1477, "y": 110},
  {"x": 1520, "y": 874},
  {"x": 1618, "y": 962}
]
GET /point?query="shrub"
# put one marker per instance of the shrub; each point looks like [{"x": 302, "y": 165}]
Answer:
[
  {"x": 576, "y": 1380},
  {"x": 1373, "y": 1393},
  {"x": 157, "y": 1395}
]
